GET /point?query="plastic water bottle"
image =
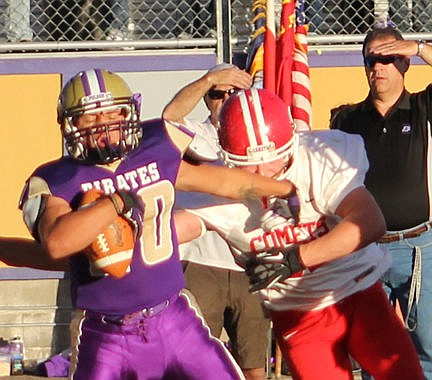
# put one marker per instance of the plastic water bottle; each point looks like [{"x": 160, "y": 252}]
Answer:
[{"x": 16, "y": 352}]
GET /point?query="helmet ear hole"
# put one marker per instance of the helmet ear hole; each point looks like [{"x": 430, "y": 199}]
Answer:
[
  {"x": 74, "y": 119},
  {"x": 255, "y": 128}
]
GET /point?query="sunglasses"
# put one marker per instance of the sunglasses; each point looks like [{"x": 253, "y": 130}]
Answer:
[
  {"x": 371, "y": 60},
  {"x": 220, "y": 94}
]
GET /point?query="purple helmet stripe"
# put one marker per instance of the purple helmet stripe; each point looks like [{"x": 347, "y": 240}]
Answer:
[
  {"x": 101, "y": 80},
  {"x": 85, "y": 82},
  {"x": 93, "y": 81}
]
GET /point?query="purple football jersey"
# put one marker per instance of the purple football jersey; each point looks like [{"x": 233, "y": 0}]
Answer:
[{"x": 150, "y": 172}]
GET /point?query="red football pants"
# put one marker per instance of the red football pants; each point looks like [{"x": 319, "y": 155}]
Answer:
[{"x": 317, "y": 344}]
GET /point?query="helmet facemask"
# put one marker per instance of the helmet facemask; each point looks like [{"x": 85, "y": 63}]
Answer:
[{"x": 98, "y": 144}]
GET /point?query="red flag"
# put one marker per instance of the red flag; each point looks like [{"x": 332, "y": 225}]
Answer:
[{"x": 285, "y": 52}]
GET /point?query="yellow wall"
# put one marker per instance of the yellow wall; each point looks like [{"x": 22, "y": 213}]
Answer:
[
  {"x": 338, "y": 85},
  {"x": 29, "y": 136}
]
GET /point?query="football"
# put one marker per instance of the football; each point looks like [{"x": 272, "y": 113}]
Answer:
[{"x": 111, "y": 251}]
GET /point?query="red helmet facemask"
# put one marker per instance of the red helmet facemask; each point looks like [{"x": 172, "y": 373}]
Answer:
[{"x": 255, "y": 128}]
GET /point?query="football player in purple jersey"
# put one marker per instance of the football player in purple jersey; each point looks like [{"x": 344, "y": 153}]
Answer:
[{"x": 139, "y": 326}]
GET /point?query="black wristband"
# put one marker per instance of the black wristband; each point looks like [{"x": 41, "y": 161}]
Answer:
[
  {"x": 115, "y": 203},
  {"x": 129, "y": 199}
]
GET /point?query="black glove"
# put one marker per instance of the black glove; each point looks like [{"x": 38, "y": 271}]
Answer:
[
  {"x": 130, "y": 201},
  {"x": 266, "y": 268}
]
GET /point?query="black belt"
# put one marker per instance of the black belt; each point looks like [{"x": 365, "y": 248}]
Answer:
[
  {"x": 121, "y": 320},
  {"x": 406, "y": 234}
]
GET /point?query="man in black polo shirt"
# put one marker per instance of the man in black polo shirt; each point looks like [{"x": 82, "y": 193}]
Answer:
[{"x": 396, "y": 128}]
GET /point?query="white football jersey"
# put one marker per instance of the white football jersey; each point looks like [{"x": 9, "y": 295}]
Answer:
[{"x": 327, "y": 166}]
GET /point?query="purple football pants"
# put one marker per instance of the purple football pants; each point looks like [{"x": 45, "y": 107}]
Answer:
[{"x": 173, "y": 344}]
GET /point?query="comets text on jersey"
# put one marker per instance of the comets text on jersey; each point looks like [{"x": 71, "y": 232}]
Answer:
[{"x": 288, "y": 234}]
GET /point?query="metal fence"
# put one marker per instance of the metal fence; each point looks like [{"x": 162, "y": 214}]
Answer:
[{"x": 27, "y": 25}]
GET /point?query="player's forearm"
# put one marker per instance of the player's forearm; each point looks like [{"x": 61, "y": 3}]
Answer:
[
  {"x": 188, "y": 226},
  {"x": 65, "y": 234},
  {"x": 229, "y": 183},
  {"x": 346, "y": 238},
  {"x": 21, "y": 252},
  {"x": 248, "y": 186},
  {"x": 257, "y": 186},
  {"x": 362, "y": 224}
]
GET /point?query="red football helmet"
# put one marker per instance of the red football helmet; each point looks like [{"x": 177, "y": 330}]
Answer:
[{"x": 255, "y": 128}]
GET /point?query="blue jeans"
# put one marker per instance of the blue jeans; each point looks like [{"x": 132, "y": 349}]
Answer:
[{"x": 397, "y": 284}]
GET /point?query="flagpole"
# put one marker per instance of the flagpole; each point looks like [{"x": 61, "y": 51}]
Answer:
[{"x": 270, "y": 48}]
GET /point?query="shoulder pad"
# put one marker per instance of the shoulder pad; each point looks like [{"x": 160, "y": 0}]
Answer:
[{"x": 33, "y": 201}]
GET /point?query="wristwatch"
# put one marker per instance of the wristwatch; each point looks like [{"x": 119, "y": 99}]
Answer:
[{"x": 420, "y": 46}]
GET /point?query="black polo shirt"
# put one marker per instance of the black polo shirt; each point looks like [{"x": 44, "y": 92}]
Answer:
[{"x": 397, "y": 149}]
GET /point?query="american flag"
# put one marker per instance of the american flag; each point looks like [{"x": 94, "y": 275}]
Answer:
[
  {"x": 285, "y": 50},
  {"x": 301, "y": 89},
  {"x": 293, "y": 82},
  {"x": 283, "y": 63}
]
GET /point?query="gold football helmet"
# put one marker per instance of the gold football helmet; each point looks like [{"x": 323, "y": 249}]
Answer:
[{"x": 93, "y": 92}]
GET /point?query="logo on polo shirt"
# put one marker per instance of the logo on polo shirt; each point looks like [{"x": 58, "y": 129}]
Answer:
[{"x": 406, "y": 128}]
